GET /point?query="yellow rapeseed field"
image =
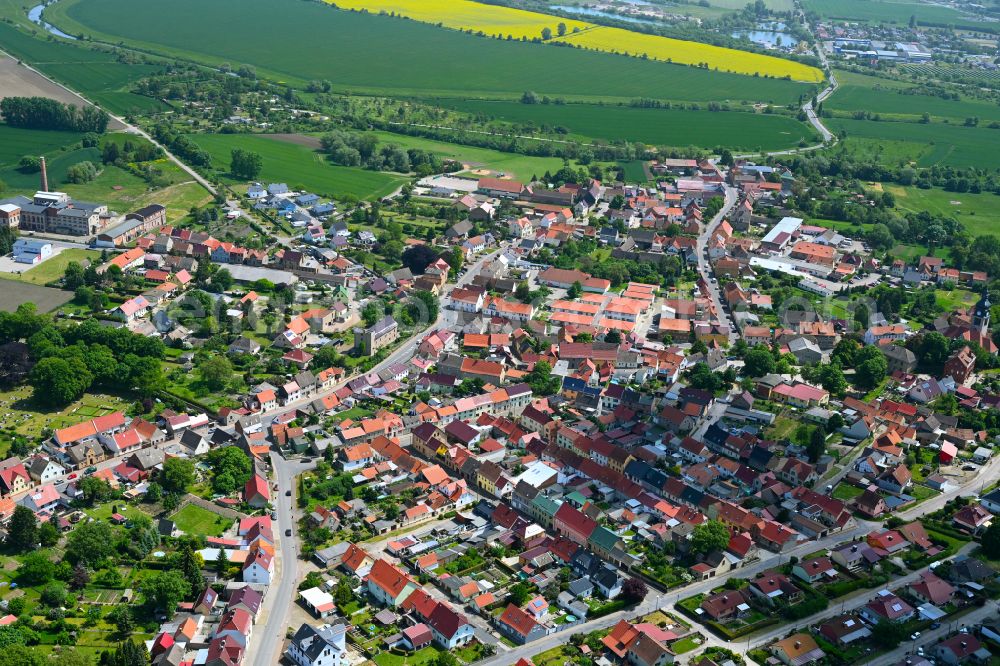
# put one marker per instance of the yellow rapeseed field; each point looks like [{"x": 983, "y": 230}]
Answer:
[
  {"x": 493, "y": 20},
  {"x": 468, "y": 15},
  {"x": 654, "y": 47}
]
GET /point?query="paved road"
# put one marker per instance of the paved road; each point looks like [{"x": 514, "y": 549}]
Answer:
[
  {"x": 270, "y": 631},
  {"x": 932, "y": 636},
  {"x": 273, "y": 620},
  {"x": 446, "y": 318},
  {"x": 974, "y": 485},
  {"x": 657, "y": 601},
  {"x": 705, "y": 269}
]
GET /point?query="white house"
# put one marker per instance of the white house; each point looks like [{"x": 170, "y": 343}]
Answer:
[
  {"x": 44, "y": 470},
  {"x": 450, "y": 628},
  {"x": 466, "y": 300},
  {"x": 258, "y": 568},
  {"x": 319, "y": 646}
]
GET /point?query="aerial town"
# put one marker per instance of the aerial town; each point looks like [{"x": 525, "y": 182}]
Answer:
[
  {"x": 713, "y": 446},
  {"x": 500, "y": 333}
]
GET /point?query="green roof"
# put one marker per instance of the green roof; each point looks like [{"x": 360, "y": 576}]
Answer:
[
  {"x": 546, "y": 505},
  {"x": 603, "y": 539}
]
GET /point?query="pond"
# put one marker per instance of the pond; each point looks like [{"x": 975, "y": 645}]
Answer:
[
  {"x": 35, "y": 16},
  {"x": 767, "y": 38},
  {"x": 590, "y": 11}
]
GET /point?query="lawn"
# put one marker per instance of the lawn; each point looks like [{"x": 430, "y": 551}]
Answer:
[
  {"x": 635, "y": 171},
  {"x": 671, "y": 127},
  {"x": 950, "y": 300},
  {"x": 978, "y": 213},
  {"x": 53, "y": 267},
  {"x": 192, "y": 519},
  {"x": 556, "y": 656},
  {"x": 300, "y": 166},
  {"x": 370, "y": 53},
  {"x": 686, "y": 644},
  {"x": 782, "y": 428},
  {"x": 846, "y": 492},
  {"x": 106, "y": 510},
  {"x": 421, "y": 657}
]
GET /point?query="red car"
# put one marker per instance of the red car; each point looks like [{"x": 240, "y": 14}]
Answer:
[{"x": 72, "y": 476}]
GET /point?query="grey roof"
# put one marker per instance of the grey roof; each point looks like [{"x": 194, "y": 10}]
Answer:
[
  {"x": 312, "y": 641},
  {"x": 900, "y": 353}
]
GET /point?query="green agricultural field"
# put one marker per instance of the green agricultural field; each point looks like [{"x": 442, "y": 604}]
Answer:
[
  {"x": 96, "y": 75},
  {"x": 299, "y": 166},
  {"x": 520, "y": 166},
  {"x": 55, "y": 165},
  {"x": 934, "y": 143},
  {"x": 15, "y": 143},
  {"x": 884, "y": 11},
  {"x": 978, "y": 213},
  {"x": 858, "y": 92},
  {"x": 635, "y": 171},
  {"x": 665, "y": 127},
  {"x": 366, "y": 53}
]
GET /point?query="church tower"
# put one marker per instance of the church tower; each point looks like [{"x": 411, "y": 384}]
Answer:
[{"x": 981, "y": 314}]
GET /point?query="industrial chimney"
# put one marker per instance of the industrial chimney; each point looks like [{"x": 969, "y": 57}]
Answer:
[{"x": 45, "y": 175}]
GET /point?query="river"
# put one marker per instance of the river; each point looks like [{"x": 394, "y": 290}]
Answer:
[{"x": 35, "y": 16}]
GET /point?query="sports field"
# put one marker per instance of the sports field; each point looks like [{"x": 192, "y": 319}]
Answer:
[
  {"x": 664, "y": 127},
  {"x": 884, "y": 11},
  {"x": 504, "y": 22},
  {"x": 379, "y": 54},
  {"x": 299, "y": 166}
]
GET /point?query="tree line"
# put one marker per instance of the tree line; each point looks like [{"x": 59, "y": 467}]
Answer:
[
  {"x": 69, "y": 360},
  {"x": 48, "y": 114}
]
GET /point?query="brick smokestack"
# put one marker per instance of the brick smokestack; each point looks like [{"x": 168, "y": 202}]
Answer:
[{"x": 45, "y": 175}]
